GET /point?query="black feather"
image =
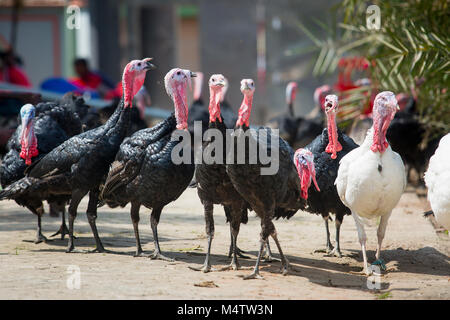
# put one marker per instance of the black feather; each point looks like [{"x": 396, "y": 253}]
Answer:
[{"x": 327, "y": 201}]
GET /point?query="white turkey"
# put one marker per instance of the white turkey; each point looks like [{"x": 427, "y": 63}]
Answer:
[
  {"x": 436, "y": 180},
  {"x": 371, "y": 178}
]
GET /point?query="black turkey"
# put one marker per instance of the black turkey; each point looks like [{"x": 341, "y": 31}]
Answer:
[{"x": 144, "y": 172}]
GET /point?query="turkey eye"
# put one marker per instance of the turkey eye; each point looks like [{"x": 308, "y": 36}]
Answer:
[
  {"x": 178, "y": 73},
  {"x": 252, "y": 83},
  {"x": 213, "y": 80},
  {"x": 139, "y": 64}
]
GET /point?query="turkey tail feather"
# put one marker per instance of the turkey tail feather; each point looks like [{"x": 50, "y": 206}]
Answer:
[
  {"x": 17, "y": 189},
  {"x": 113, "y": 181},
  {"x": 284, "y": 213},
  {"x": 56, "y": 185}
]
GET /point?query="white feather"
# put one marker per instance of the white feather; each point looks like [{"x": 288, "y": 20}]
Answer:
[
  {"x": 370, "y": 183},
  {"x": 437, "y": 179}
]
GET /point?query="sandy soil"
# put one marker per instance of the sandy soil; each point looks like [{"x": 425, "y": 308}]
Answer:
[{"x": 417, "y": 258}]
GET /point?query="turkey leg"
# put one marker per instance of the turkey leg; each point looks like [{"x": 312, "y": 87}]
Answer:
[
  {"x": 268, "y": 256},
  {"x": 329, "y": 246},
  {"x": 134, "y": 213},
  {"x": 362, "y": 240},
  {"x": 92, "y": 216},
  {"x": 381, "y": 232},
  {"x": 209, "y": 226},
  {"x": 267, "y": 228},
  {"x": 235, "y": 224},
  {"x": 39, "y": 236},
  {"x": 63, "y": 230},
  {"x": 74, "y": 202},
  {"x": 154, "y": 220},
  {"x": 337, "y": 250}
]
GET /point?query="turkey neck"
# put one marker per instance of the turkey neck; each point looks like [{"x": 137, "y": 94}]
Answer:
[
  {"x": 291, "y": 109},
  {"x": 180, "y": 105},
  {"x": 381, "y": 122},
  {"x": 214, "y": 105},
  {"x": 243, "y": 121},
  {"x": 198, "y": 81},
  {"x": 242, "y": 125},
  {"x": 290, "y": 102},
  {"x": 28, "y": 141},
  {"x": 215, "y": 118},
  {"x": 332, "y": 131},
  {"x": 119, "y": 120}
]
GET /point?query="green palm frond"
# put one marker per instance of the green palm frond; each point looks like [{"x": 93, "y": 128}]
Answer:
[{"x": 413, "y": 43}]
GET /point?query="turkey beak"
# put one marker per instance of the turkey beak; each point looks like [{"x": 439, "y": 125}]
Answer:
[
  {"x": 246, "y": 87},
  {"x": 398, "y": 107},
  {"x": 149, "y": 65},
  {"x": 26, "y": 120}
]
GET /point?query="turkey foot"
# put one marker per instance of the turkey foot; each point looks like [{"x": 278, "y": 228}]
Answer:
[
  {"x": 140, "y": 253},
  {"x": 40, "y": 238},
  {"x": 205, "y": 268},
  {"x": 71, "y": 249},
  {"x": 336, "y": 252},
  {"x": 63, "y": 230},
  {"x": 328, "y": 250},
  {"x": 285, "y": 268},
  {"x": 268, "y": 256},
  {"x": 255, "y": 275},
  {"x": 239, "y": 252},
  {"x": 234, "y": 265},
  {"x": 366, "y": 271},
  {"x": 98, "y": 249},
  {"x": 158, "y": 256}
]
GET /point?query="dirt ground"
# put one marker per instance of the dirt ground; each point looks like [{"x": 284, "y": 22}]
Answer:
[{"x": 417, "y": 257}]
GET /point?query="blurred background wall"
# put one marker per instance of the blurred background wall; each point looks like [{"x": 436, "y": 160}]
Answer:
[{"x": 241, "y": 39}]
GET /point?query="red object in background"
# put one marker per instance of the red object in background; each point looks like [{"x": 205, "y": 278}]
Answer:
[
  {"x": 114, "y": 93},
  {"x": 91, "y": 81},
  {"x": 15, "y": 75},
  {"x": 346, "y": 66}
]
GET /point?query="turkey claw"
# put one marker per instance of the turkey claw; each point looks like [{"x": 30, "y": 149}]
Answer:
[
  {"x": 204, "y": 268},
  {"x": 159, "y": 256},
  {"x": 63, "y": 230},
  {"x": 254, "y": 275}
]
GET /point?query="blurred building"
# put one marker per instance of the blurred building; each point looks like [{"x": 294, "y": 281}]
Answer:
[{"x": 257, "y": 39}]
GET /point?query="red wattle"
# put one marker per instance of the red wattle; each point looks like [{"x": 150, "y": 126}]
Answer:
[
  {"x": 181, "y": 111},
  {"x": 244, "y": 111},
  {"x": 379, "y": 137},
  {"x": 334, "y": 145},
  {"x": 214, "y": 105},
  {"x": 305, "y": 179},
  {"x": 29, "y": 152}
]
